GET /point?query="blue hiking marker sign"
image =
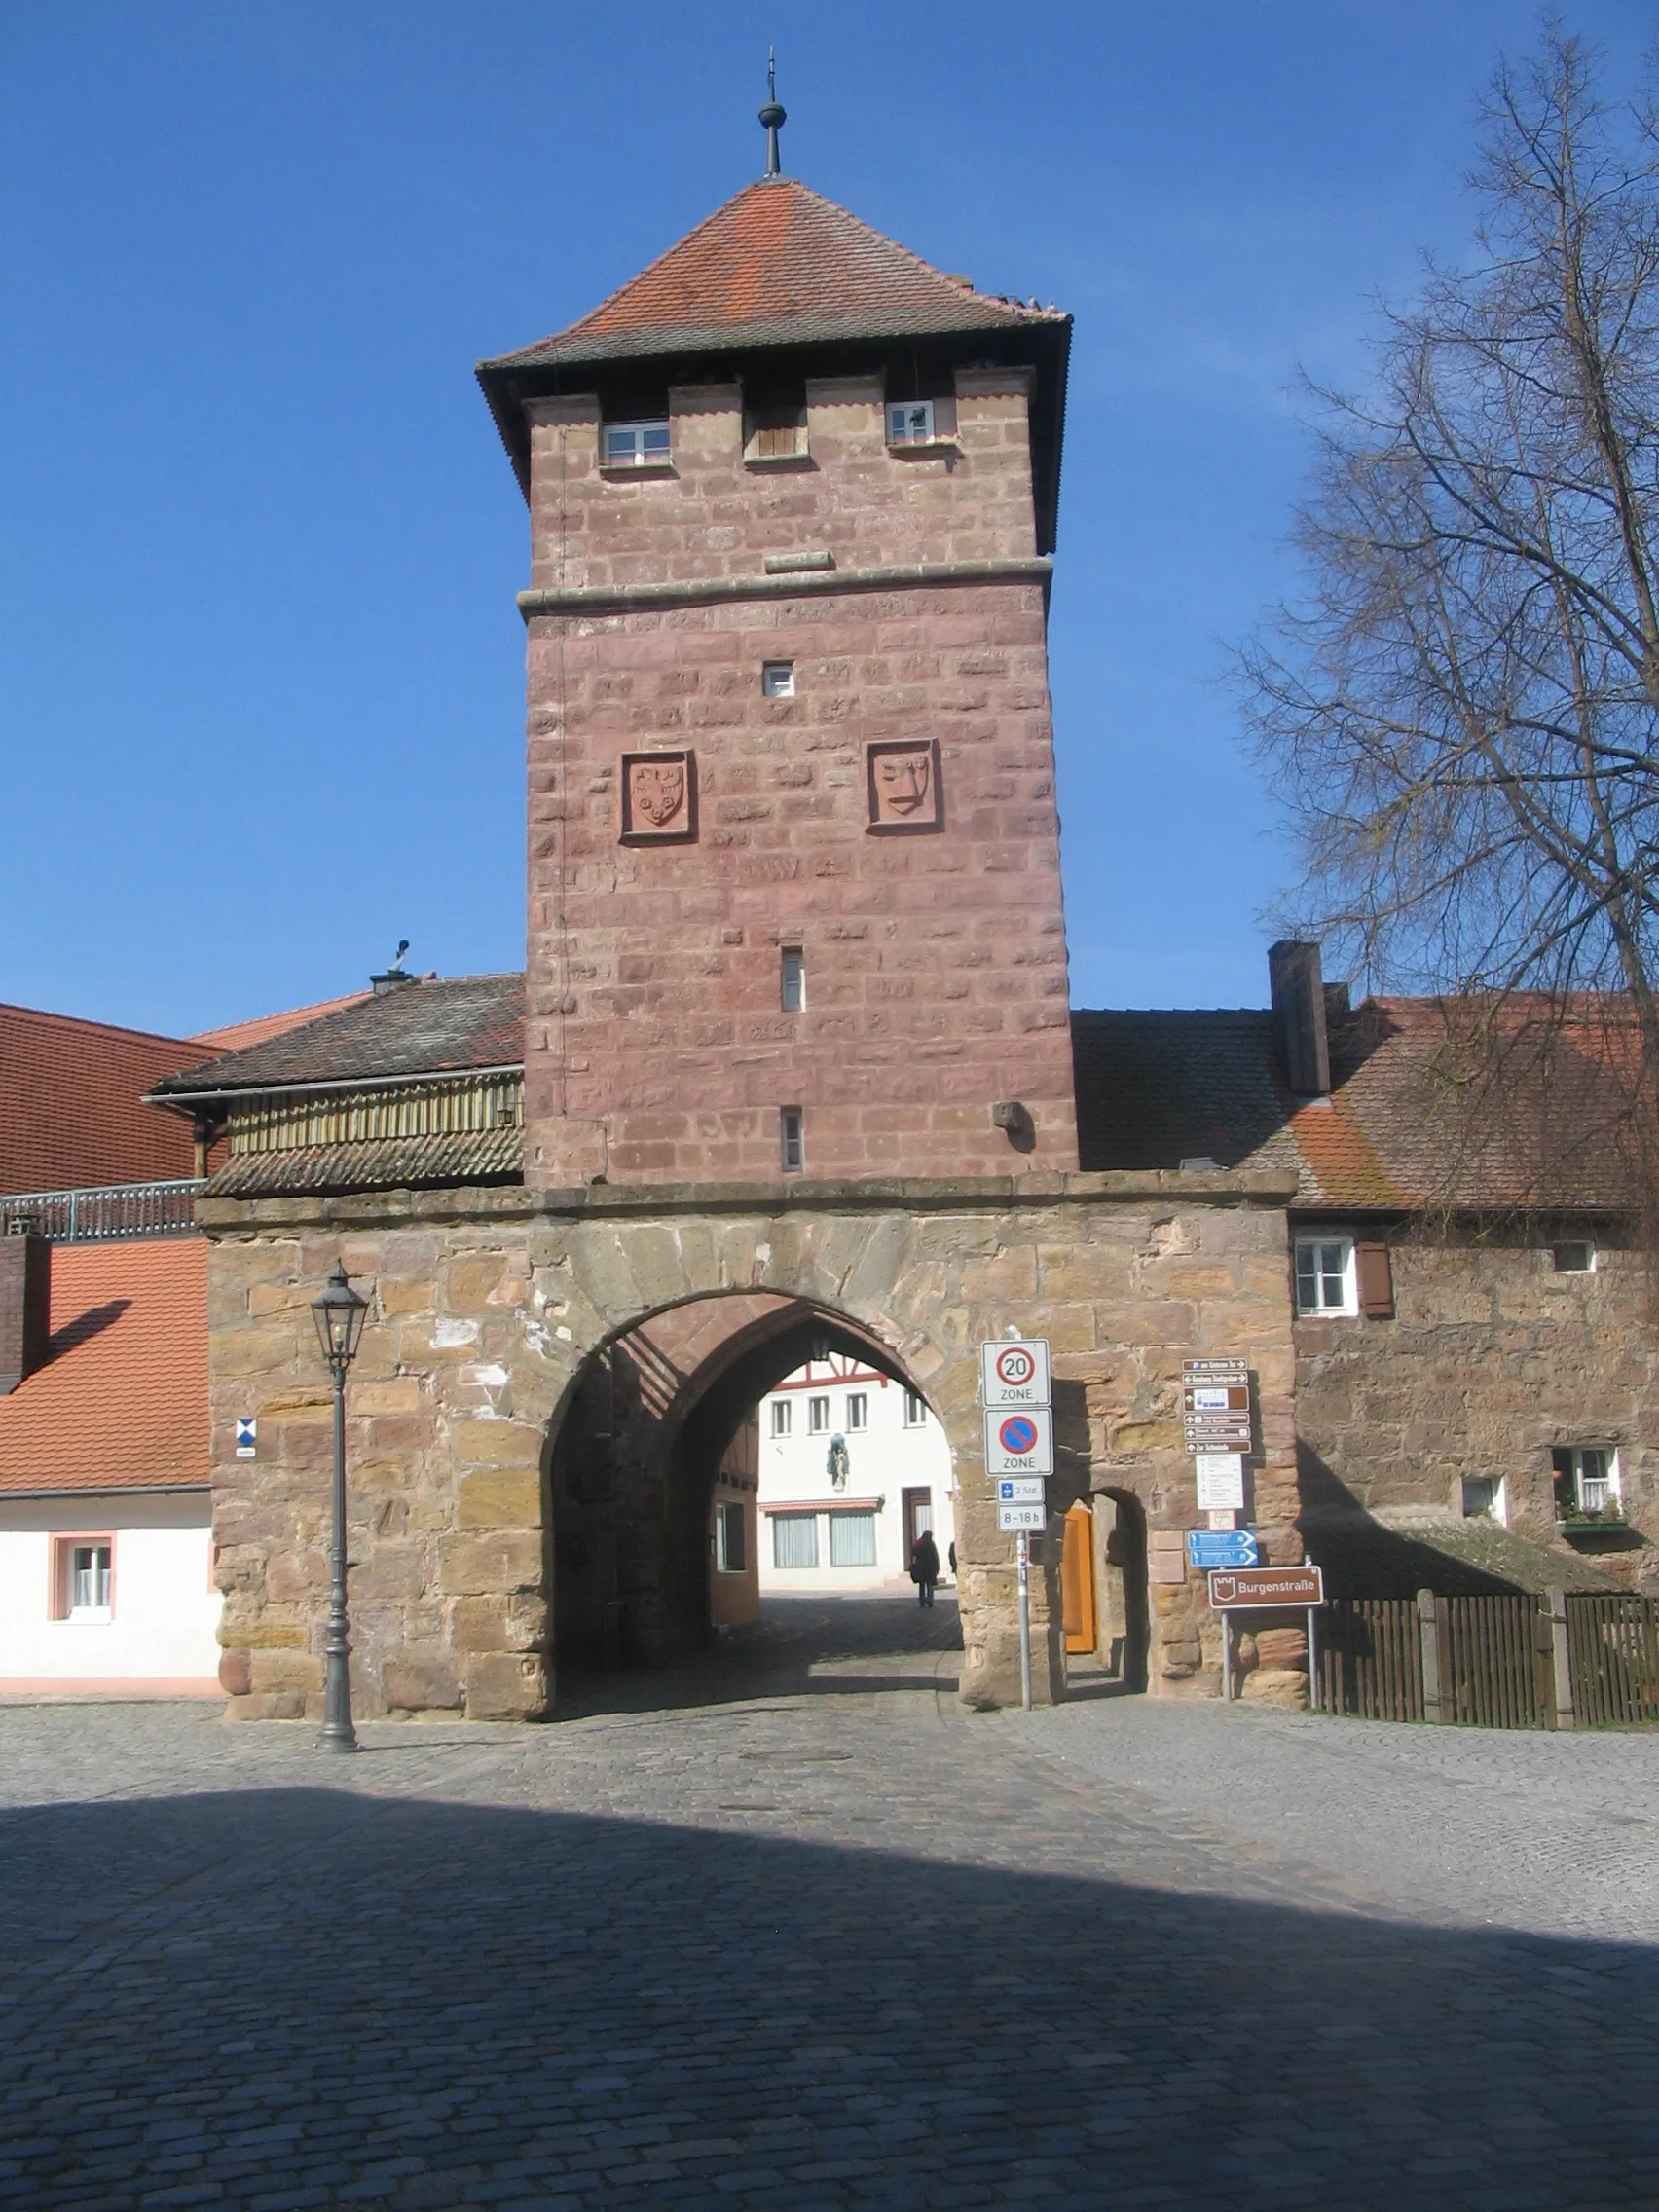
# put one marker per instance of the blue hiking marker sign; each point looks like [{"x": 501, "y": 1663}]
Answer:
[{"x": 1222, "y": 1547}]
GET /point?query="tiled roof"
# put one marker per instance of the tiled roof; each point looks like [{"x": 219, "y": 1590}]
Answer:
[
  {"x": 70, "y": 1111},
  {"x": 1155, "y": 1089},
  {"x": 382, "y": 1164},
  {"x": 122, "y": 1402},
  {"x": 241, "y": 1034},
  {"x": 427, "y": 1027},
  {"x": 1367, "y": 1558},
  {"x": 777, "y": 264}
]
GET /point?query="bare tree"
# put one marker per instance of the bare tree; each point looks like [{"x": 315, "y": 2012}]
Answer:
[{"x": 1462, "y": 715}]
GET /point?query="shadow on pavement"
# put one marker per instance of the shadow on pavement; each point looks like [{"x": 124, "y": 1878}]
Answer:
[
  {"x": 800, "y": 1646},
  {"x": 313, "y": 1996}
]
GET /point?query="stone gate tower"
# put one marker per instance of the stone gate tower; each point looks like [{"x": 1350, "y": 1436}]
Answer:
[{"x": 794, "y": 870}]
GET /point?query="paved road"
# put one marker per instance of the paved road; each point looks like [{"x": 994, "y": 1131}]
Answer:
[{"x": 790, "y": 1929}]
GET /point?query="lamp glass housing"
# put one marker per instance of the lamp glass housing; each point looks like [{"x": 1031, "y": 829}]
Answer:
[{"x": 339, "y": 1315}]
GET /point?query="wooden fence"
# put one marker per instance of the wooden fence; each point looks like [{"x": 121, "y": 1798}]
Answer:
[
  {"x": 1492, "y": 1666},
  {"x": 1613, "y": 1655},
  {"x": 1371, "y": 1658}
]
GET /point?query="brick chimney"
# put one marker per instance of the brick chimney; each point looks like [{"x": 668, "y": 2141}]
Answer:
[
  {"x": 1297, "y": 986},
  {"x": 25, "y": 1301}
]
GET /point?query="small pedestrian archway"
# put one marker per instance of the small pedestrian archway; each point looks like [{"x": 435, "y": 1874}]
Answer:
[{"x": 644, "y": 1435}]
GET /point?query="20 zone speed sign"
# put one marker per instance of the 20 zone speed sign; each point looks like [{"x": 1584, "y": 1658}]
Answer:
[{"x": 1015, "y": 1372}]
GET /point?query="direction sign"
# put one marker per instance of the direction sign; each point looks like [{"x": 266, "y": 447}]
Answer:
[
  {"x": 1215, "y": 1547},
  {"x": 1022, "y": 1490},
  {"x": 1019, "y": 1442},
  {"x": 1215, "y": 1405},
  {"x": 1267, "y": 1586},
  {"x": 1015, "y": 1372},
  {"x": 1221, "y": 1482},
  {"x": 1022, "y": 1517}
]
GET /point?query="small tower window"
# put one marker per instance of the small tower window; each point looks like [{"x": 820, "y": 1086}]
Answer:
[
  {"x": 793, "y": 979},
  {"x": 1573, "y": 1259},
  {"x": 793, "y": 1136},
  {"x": 777, "y": 679},
  {"x": 910, "y": 422},
  {"x": 636, "y": 445}
]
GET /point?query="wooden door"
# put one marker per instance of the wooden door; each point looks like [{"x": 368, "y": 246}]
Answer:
[{"x": 1077, "y": 1579}]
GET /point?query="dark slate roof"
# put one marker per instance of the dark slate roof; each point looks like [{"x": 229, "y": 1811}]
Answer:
[
  {"x": 432, "y": 1026},
  {"x": 1155, "y": 1089},
  {"x": 1363, "y": 1558},
  {"x": 382, "y": 1164}
]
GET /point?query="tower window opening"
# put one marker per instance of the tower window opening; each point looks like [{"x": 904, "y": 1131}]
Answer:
[
  {"x": 777, "y": 679},
  {"x": 910, "y": 422},
  {"x": 793, "y": 1131},
  {"x": 636, "y": 445},
  {"x": 793, "y": 980}
]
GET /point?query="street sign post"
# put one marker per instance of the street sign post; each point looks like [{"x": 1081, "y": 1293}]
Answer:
[
  {"x": 1019, "y": 1442},
  {"x": 1214, "y": 1547},
  {"x": 1020, "y": 1450},
  {"x": 1015, "y": 1372}
]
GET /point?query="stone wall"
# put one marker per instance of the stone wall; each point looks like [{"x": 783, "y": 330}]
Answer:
[
  {"x": 1493, "y": 1359},
  {"x": 485, "y": 1309},
  {"x": 929, "y": 916}
]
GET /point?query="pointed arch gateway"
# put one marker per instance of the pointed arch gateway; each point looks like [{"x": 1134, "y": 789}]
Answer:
[{"x": 636, "y": 1450}]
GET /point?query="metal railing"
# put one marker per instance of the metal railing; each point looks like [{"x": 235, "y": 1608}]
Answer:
[{"x": 100, "y": 1215}]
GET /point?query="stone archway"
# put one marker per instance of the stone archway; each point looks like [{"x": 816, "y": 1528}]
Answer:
[{"x": 635, "y": 1456}]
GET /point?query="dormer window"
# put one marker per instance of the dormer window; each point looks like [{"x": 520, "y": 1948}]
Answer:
[
  {"x": 910, "y": 422},
  {"x": 636, "y": 445}
]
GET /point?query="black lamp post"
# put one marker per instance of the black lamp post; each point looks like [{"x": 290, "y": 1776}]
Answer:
[{"x": 338, "y": 1314}]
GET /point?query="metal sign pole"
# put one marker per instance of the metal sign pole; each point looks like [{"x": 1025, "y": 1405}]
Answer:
[
  {"x": 1312, "y": 1678},
  {"x": 1227, "y": 1657},
  {"x": 1025, "y": 1622}
]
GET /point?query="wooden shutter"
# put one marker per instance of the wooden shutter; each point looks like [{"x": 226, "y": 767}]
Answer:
[{"x": 1375, "y": 1275}]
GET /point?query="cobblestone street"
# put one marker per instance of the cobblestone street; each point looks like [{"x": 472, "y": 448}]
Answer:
[{"x": 791, "y": 1929}]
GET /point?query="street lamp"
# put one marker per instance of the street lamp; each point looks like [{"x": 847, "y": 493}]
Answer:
[{"x": 339, "y": 1315}]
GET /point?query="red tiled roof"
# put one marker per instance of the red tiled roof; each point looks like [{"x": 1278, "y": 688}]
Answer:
[
  {"x": 777, "y": 264},
  {"x": 122, "y": 1402},
  {"x": 1396, "y": 1133},
  {"x": 241, "y": 1034},
  {"x": 69, "y": 1103}
]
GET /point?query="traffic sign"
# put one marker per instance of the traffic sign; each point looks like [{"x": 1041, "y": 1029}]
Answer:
[
  {"x": 1019, "y": 1442},
  {"x": 248, "y": 1438},
  {"x": 1022, "y": 1517},
  {"x": 1015, "y": 1372},
  {"x": 1022, "y": 1490},
  {"x": 1267, "y": 1586},
  {"x": 1215, "y": 1547}
]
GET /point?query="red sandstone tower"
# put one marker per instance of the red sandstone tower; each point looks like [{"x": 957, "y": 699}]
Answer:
[{"x": 793, "y": 872}]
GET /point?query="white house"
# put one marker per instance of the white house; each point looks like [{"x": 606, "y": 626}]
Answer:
[
  {"x": 106, "y": 1550},
  {"x": 852, "y": 1468}
]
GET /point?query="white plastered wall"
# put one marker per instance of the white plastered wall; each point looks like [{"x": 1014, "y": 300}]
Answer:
[
  {"x": 165, "y": 1617},
  {"x": 885, "y": 1460}
]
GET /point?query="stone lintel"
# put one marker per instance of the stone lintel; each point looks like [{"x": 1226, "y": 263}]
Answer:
[
  {"x": 966, "y": 1193},
  {"x": 705, "y": 591}
]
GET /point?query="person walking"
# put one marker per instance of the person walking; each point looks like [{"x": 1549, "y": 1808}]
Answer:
[{"x": 924, "y": 1567}]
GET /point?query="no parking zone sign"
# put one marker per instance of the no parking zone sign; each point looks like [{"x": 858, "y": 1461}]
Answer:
[{"x": 1019, "y": 1442}]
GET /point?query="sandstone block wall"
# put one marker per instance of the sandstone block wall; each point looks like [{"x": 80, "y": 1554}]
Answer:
[
  {"x": 1493, "y": 1359},
  {"x": 658, "y": 1045},
  {"x": 486, "y": 1310}
]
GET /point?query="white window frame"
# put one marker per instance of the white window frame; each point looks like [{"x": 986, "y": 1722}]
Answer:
[
  {"x": 1497, "y": 1506},
  {"x": 857, "y": 1411},
  {"x": 63, "y": 1569},
  {"x": 1322, "y": 1240},
  {"x": 782, "y": 1411},
  {"x": 1609, "y": 1485},
  {"x": 723, "y": 1540},
  {"x": 915, "y": 1410},
  {"x": 636, "y": 445},
  {"x": 866, "y": 1521},
  {"x": 777, "y": 679},
  {"x": 910, "y": 422},
  {"x": 792, "y": 979},
  {"x": 818, "y": 1416}
]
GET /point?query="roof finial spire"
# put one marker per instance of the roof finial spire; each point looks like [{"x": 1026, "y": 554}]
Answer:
[{"x": 772, "y": 115}]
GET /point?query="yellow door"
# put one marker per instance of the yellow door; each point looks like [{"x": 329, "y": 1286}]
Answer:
[{"x": 1077, "y": 1579}]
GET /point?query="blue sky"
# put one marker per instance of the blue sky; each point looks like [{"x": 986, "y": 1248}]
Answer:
[{"x": 260, "y": 667}]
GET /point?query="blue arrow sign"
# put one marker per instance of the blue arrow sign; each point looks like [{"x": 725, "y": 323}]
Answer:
[{"x": 1222, "y": 1547}]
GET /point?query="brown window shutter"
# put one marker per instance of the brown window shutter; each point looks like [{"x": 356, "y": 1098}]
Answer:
[{"x": 1375, "y": 1279}]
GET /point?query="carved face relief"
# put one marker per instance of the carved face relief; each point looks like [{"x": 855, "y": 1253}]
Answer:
[
  {"x": 658, "y": 795},
  {"x": 903, "y": 786}
]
